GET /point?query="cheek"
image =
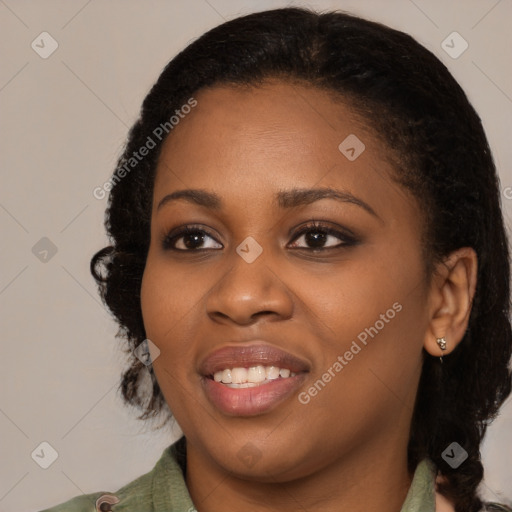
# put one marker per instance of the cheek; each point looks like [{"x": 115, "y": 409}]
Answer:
[
  {"x": 374, "y": 316},
  {"x": 168, "y": 295},
  {"x": 167, "y": 300},
  {"x": 156, "y": 305},
  {"x": 162, "y": 308},
  {"x": 171, "y": 303},
  {"x": 369, "y": 372},
  {"x": 354, "y": 296}
]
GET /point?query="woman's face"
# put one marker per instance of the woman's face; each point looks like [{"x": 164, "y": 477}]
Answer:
[{"x": 290, "y": 319}]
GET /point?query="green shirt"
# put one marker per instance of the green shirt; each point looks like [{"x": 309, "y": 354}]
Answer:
[{"x": 163, "y": 489}]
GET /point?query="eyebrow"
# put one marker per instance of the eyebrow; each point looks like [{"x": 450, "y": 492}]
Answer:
[{"x": 285, "y": 198}]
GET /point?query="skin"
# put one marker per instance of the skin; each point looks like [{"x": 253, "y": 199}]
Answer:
[{"x": 246, "y": 145}]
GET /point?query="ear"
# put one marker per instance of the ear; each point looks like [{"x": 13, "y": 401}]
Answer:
[{"x": 450, "y": 299}]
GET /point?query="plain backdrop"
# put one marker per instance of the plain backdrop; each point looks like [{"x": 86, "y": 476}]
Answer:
[{"x": 64, "y": 119}]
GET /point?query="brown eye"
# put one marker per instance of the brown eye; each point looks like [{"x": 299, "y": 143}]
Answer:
[
  {"x": 321, "y": 237},
  {"x": 187, "y": 239}
]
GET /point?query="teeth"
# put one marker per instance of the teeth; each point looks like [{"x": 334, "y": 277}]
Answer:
[
  {"x": 242, "y": 385},
  {"x": 250, "y": 377},
  {"x": 256, "y": 374},
  {"x": 272, "y": 372},
  {"x": 239, "y": 375},
  {"x": 226, "y": 376}
]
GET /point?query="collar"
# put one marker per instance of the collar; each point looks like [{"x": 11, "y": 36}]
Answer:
[{"x": 421, "y": 495}]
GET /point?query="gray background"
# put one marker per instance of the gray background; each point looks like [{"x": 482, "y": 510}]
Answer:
[{"x": 63, "y": 123}]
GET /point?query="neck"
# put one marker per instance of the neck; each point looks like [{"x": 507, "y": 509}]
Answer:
[{"x": 370, "y": 479}]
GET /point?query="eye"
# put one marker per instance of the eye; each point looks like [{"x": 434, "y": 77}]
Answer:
[
  {"x": 188, "y": 239},
  {"x": 322, "y": 237},
  {"x": 316, "y": 236}
]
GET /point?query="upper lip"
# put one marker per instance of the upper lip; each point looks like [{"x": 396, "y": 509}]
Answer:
[{"x": 258, "y": 353}]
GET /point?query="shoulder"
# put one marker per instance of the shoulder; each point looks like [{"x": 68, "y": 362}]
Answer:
[
  {"x": 84, "y": 503},
  {"x": 163, "y": 485},
  {"x": 137, "y": 493},
  {"x": 444, "y": 505},
  {"x": 496, "y": 507}
]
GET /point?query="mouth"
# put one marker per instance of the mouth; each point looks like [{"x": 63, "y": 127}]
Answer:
[{"x": 251, "y": 379}]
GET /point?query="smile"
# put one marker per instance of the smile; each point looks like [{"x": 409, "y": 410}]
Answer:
[{"x": 250, "y": 377}]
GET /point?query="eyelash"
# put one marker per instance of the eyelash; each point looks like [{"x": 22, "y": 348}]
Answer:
[{"x": 318, "y": 227}]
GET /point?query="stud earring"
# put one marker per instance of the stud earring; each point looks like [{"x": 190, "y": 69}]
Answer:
[{"x": 442, "y": 345}]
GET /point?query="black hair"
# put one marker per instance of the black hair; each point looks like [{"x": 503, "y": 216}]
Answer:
[{"x": 440, "y": 153}]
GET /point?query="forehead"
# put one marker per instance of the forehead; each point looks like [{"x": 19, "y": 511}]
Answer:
[
  {"x": 290, "y": 119},
  {"x": 258, "y": 139}
]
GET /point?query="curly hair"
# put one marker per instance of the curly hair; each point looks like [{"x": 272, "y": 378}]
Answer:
[{"x": 440, "y": 153}]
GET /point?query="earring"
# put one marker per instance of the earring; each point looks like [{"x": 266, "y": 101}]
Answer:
[{"x": 442, "y": 345}]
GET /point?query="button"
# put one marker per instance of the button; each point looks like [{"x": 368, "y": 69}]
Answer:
[{"x": 105, "y": 501}]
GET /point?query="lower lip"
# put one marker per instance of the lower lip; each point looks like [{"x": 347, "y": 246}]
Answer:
[{"x": 251, "y": 401}]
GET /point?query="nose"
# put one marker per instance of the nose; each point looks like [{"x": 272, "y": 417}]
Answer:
[{"x": 247, "y": 292}]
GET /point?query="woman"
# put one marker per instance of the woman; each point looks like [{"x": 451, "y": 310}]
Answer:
[{"x": 307, "y": 238}]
